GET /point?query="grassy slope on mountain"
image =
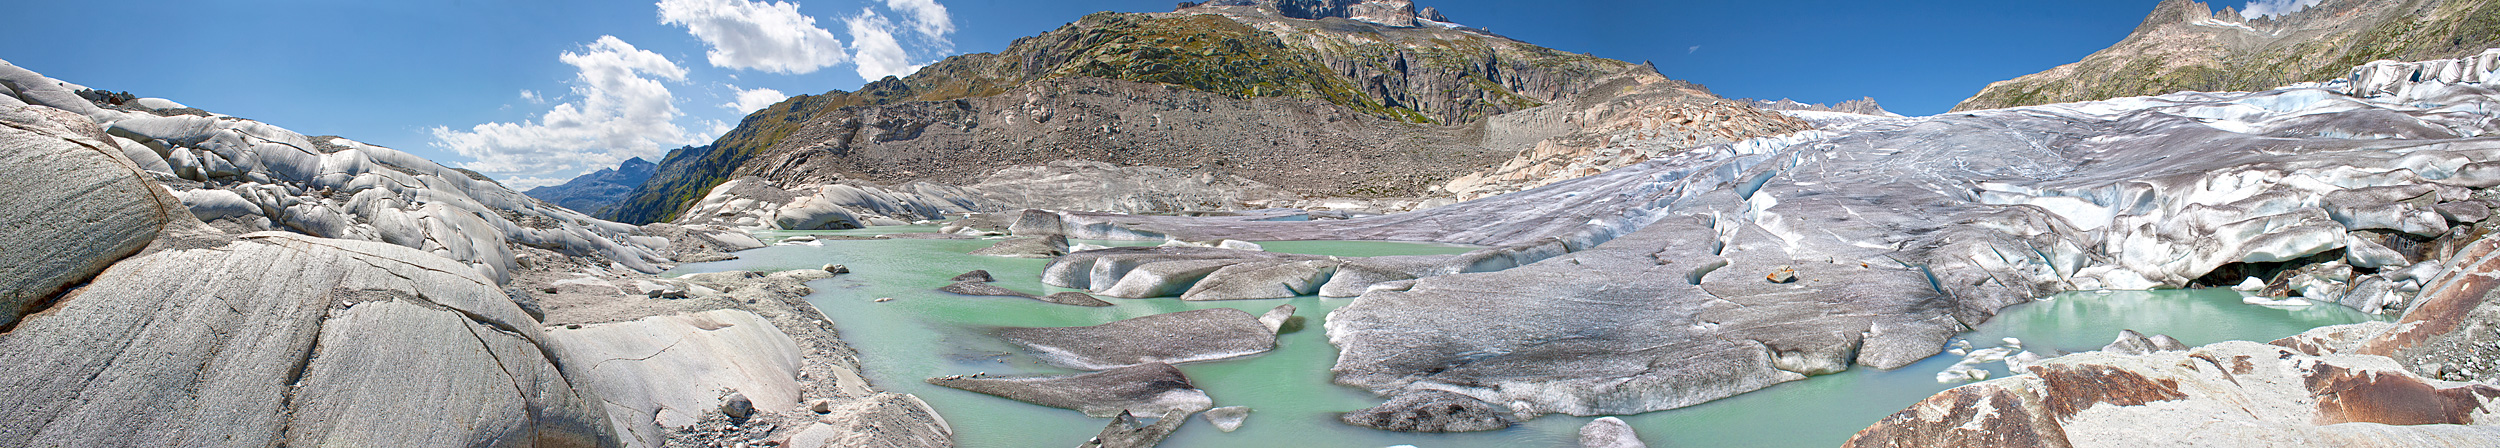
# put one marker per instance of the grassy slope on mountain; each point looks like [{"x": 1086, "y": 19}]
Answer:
[
  {"x": 2173, "y": 52},
  {"x": 1203, "y": 52}
]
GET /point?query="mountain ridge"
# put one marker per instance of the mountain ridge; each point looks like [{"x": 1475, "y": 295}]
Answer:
[
  {"x": 1416, "y": 100},
  {"x": 2185, "y": 45}
]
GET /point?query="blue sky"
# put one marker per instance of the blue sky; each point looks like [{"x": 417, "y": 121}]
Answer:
[{"x": 535, "y": 92}]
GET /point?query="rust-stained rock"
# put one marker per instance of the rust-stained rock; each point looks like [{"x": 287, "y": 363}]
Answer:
[
  {"x": 1969, "y": 416},
  {"x": 2075, "y": 387},
  {"x": 2346, "y": 395},
  {"x": 2232, "y": 393}
]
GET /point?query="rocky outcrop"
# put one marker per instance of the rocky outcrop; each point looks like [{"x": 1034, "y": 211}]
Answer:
[
  {"x": 1634, "y": 117},
  {"x": 190, "y": 344},
  {"x": 2185, "y": 46},
  {"x": 218, "y": 335},
  {"x": 597, "y": 189},
  {"x": 75, "y": 206},
  {"x": 1171, "y": 338},
  {"x": 246, "y": 176}
]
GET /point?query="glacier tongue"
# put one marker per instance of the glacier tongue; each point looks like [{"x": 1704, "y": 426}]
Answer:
[{"x": 1728, "y": 268}]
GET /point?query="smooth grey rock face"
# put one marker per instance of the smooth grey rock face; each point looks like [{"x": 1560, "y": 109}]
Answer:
[
  {"x": 1152, "y": 390},
  {"x": 1432, "y": 411},
  {"x": 1036, "y": 223},
  {"x": 1609, "y": 432},
  {"x": 71, "y": 205},
  {"x": 1170, "y": 338},
  {"x": 191, "y": 346},
  {"x": 663, "y": 372}
]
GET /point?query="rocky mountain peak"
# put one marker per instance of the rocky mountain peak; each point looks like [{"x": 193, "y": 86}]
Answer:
[{"x": 1394, "y": 13}]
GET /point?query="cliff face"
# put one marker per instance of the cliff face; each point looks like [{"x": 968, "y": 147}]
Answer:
[
  {"x": 2183, "y": 46},
  {"x": 1364, "y": 99}
]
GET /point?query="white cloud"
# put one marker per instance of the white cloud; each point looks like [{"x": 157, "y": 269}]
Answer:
[
  {"x": 2262, "y": 8},
  {"x": 772, "y": 37},
  {"x": 928, "y": 17},
  {"x": 621, "y": 112},
  {"x": 1693, "y": 49},
  {"x": 874, "y": 49},
  {"x": 533, "y": 97},
  {"x": 748, "y": 101}
]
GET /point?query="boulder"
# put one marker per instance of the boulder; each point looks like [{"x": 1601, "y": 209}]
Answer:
[
  {"x": 1155, "y": 390},
  {"x": 1037, "y": 223},
  {"x": 662, "y": 372},
  {"x": 977, "y": 275},
  {"x": 1432, "y": 411},
  {"x": 1263, "y": 280},
  {"x": 1171, "y": 338},
  {"x": 1609, "y": 432}
]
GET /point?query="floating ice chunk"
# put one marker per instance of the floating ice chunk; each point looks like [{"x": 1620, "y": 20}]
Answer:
[{"x": 2252, "y": 284}]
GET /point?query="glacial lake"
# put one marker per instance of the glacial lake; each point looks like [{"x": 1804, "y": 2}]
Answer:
[{"x": 924, "y": 333}]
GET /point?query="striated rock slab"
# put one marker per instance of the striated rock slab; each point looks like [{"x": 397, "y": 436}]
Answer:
[
  {"x": 2231, "y": 393},
  {"x": 668, "y": 371},
  {"x": 1170, "y": 338},
  {"x": 191, "y": 345},
  {"x": 71, "y": 205},
  {"x": 1155, "y": 390}
]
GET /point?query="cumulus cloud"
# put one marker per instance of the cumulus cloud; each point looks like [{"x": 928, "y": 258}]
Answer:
[
  {"x": 533, "y": 97},
  {"x": 2262, "y": 8},
  {"x": 874, "y": 49},
  {"x": 927, "y": 17},
  {"x": 620, "y": 111},
  {"x": 750, "y": 100},
  {"x": 772, "y": 37}
]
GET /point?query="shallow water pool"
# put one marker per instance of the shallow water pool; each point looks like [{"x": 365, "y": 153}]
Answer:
[{"x": 923, "y": 333}]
